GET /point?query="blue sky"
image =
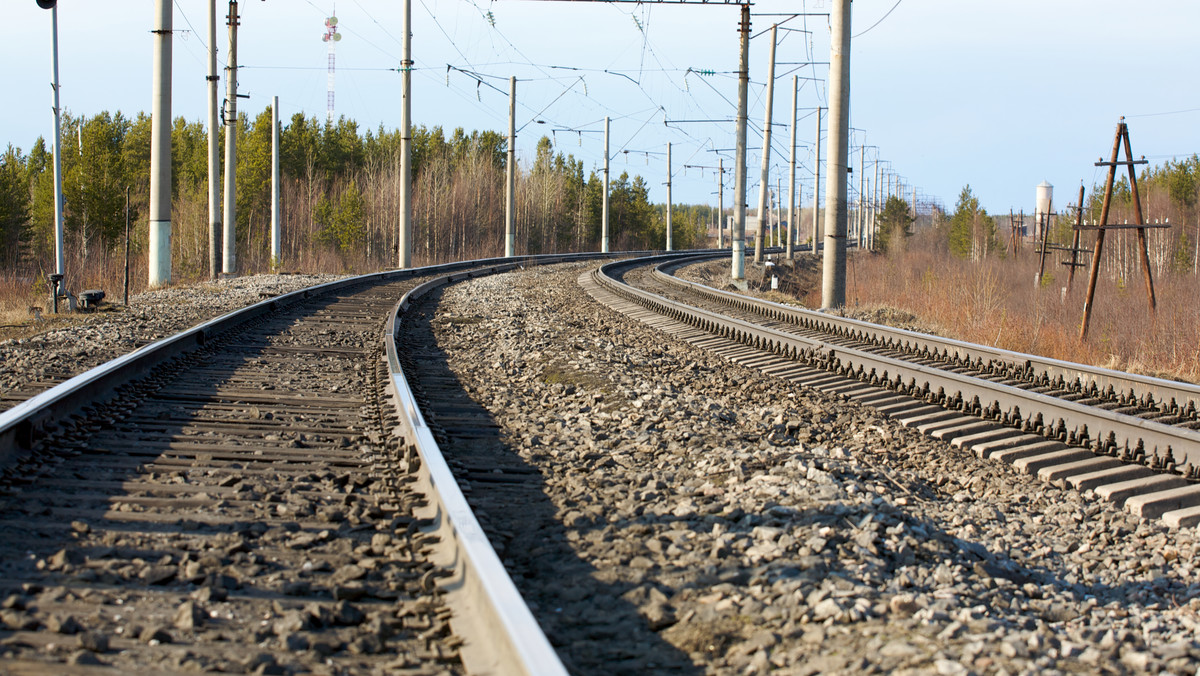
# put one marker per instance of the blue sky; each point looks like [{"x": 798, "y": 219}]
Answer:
[{"x": 949, "y": 92}]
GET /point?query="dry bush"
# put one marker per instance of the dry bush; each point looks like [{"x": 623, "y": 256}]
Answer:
[{"x": 996, "y": 302}]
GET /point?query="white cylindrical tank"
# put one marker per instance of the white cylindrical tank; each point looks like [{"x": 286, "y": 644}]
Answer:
[{"x": 1045, "y": 196}]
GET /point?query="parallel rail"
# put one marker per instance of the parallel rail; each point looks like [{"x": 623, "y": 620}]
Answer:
[
  {"x": 500, "y": 634},
  {"x": 1169, "y": 396},
  {"x": 1105, "y": 431},
  {"x": 504, "y": 636}
]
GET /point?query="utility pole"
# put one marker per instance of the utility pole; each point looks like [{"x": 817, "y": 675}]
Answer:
[
  {"x": 816, "y": 226},
  {"x": 791, "y": 233},
  {"x": 670, "y": 242},
  {"x": 833, "y": 287},
  {"x": 778, "y": 212},
  {"x": 604, "y": 203},
  {"x": 763, "y": 216},
  {"x": 878, "y": 193},
  {"x": 721, "y": 203},
  {"x": 868, "y": 216},
  {"x": 160, "y": 149},
  {"x": 59, "y": 259},
  {"x": 510, "y": 193},
  {"x": 276, "y": 232},
  {"x": 862, "y": 186},
  {"x": 229, "y": 248},
  {"x": 404, "y": 243},
  {"x": 1074, "y": 239},
  {"x": 214, "y": 149},
  {"x": 738, "y": 273}
]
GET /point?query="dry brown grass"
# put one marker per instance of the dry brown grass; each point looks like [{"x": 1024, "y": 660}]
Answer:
[{"x": 995, "y": 302}]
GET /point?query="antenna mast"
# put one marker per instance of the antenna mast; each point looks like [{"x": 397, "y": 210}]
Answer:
[{"x": 332, "y": 36}]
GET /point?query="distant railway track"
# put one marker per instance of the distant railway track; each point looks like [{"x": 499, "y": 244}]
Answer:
[
  {"x": 1132, "y": 439},
  {"x": 259, "y": 492}
]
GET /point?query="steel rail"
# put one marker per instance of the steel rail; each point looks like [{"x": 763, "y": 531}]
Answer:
[
  {"x": 1104, "y": 431},
  {"x": 499, "y": 632},
  {"x": 22, "y": 425},
  {"x": 1175, "y": 396},
  {"x": 503, "y": 636}
]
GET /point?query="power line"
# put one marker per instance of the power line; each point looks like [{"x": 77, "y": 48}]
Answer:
[{"x": 889, "y": 13}]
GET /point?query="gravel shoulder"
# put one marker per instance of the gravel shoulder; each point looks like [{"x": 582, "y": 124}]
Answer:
[
  {"x": 800, "y": 285},
  {"x": 42, "y": 354},
  {"x": 705, "y": 518}
]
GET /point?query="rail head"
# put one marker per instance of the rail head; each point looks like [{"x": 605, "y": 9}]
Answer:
[
  {"x": 500, "y": 633},
  {"x": 1100, "y": 427},
  {"x": 22, "y": 425}
]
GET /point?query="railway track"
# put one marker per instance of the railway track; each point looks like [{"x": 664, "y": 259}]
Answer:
[
  {"x": 272, "y": 498},
  {"x": 681, "y": 514},
  {"x": 257, "y": 494},
  {"x": 1130, "y": 439}
]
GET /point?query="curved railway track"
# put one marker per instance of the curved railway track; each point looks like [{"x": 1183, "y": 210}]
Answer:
[
  {"x": 266, "y": 492},
  {"x": 1131, "y": 439},
  {"x": 257, "y": 494}
]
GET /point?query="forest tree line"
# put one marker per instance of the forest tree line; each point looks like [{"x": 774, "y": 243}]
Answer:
[{"x": 340, "y": 197}]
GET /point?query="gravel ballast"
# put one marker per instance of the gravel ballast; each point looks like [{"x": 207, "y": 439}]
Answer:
[
  {"x": 34, "y": 363},
  {"x": 701, "y": 517}
]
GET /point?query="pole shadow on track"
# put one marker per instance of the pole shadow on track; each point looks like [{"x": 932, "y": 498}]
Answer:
[{"x": 594, "y": 629}]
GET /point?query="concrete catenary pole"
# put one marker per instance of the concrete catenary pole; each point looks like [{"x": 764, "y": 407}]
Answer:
[
  {"x": 276, "y": 227},
  {"x": 878, "y": 195},
  {"x": 868, "y": 217},
  {"x": 510, "y": 191},
  {"x": 816, "y": 226},
  {"x": 59, "y": 258},
  {"x": 738, "y": 272},
  {"x": 670, "y": 240},
  {"x": 604, "y": 202},
  {"x": 791, "y": 225},
  {"x": 404, "y": 238},
  {"x": 833, "y": 287},
  {"x": 862, "y": 187},
  {"x": 764, "y": 216},
  {"x": 160, "y": 149},
  {"x": 778, "y": 211},
  {"x": 214, "y": 148},
  {"x": 721, "y": 204},
  {"x": 229, "y": 222}
]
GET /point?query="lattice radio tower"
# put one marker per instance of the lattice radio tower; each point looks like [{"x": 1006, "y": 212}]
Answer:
[{"x": 332, "y": 36}]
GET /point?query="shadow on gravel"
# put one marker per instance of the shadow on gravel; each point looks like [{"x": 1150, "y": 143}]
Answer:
[
  {"x": 594, "y": 629},
  {"x": 154, "y": 536}
]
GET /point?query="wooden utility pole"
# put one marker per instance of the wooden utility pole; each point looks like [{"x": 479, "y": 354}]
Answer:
[
  {"x": 1014, "y": 229},
  {"x": 1044, "y": 226},
  {"x": 1122, "y": 135},
  {"x": 1075, "y": 242}
]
